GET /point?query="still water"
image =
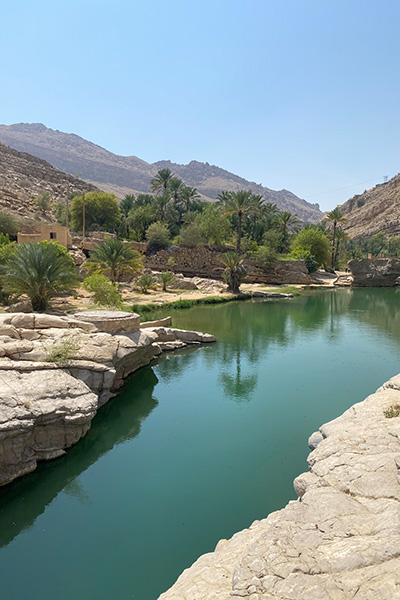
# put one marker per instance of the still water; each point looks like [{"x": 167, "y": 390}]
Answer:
[{"x": 197, "y": 446}]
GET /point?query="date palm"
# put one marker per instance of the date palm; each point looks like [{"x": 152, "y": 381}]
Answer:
[
  {"x": 240, "y": 204},
  {"x": 334, "y": 217},
  {"x": 235, "y": 271},
  {"x": 115, "y": 258},
  {"x": 161, "y": 181},
  {"x": 287, "y": 223},
  {"x": 188, "y": 195},
  {"x": 175, "y": 187},
  {"x": 39, "y": 270}
]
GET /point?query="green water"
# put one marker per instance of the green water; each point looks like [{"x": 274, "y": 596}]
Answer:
[{"x": 196, "y": 447}]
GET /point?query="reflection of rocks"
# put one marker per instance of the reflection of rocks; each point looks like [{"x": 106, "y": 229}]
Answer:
[
  {"x": 341, "y": 540},
  {"x": 74, "y": 365},
  {"x": 376, "y": 272}
]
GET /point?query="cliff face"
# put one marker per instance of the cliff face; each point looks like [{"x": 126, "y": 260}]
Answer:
[
  {"x": 127, "y": 174},
  {"x": 24, "y": 177},
  {"x": 375, "y": 211},
  {"x": 341, "y": 540}
]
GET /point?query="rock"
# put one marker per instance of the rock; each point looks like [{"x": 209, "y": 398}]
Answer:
[
  {"x": 340, "y": 541},
  {"x": 168, "y": 334},
  {"x": 111, "y": 321},
  {"x": 42, "y": 413},
  {"x": 160, "y": 323},
  {"x": 260, "y": 294},
  {"x": 24, "y": 306},
  {"x": 314, "y": 439},
  {"x": 184, "y": 284},
  {"x": 344, "y": 280},
  {"x": 376, "y": 272}
]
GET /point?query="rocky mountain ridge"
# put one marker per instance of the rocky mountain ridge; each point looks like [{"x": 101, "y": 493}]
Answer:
[
  {"x": 24, "y": 177},
  {"x": 374, "y": 211},
  {"x": 127, "y": 174}
]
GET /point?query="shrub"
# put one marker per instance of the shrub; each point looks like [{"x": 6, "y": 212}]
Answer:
[
  {"x": 157, "y": 236},
  {"x": 392, "y": 411},
  {"x": 64, "y": 351},
  {"x": 264, "y": 256},
  {"x": 311, "y": 242},
  {"x": 166, "y": 278},
  {"x": 146, "y": 282},
  {"x": 191, "y": 236},
  {"x": 8, "y": 224},
  {"x": 44, "y": 201},
  {"x": 311, "y": 264},
  {"x": 105, "y": 293}
]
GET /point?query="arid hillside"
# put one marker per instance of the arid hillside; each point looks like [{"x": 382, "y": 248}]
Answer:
[
  {"x": 23, "y": 178},
  {"x": 127, "y": 174},
  {"x": 375, "y": 211}
]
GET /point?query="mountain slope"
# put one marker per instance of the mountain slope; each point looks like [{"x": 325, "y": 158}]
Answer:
[
  {"x": 24, "y": 177},
  {"x": 375, "y": 211},
  {"x": 124, "y": 174}
]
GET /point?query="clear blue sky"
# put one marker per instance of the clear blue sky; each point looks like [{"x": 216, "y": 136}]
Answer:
[{"x": 295, "y": 94}]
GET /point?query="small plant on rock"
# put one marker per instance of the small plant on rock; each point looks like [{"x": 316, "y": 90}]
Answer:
[
  {"x": 392, "y": 411},
  {"x": 64, "y": 351}
]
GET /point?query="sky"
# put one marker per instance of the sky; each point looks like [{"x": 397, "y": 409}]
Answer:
[{"x": 294, "y": 94}]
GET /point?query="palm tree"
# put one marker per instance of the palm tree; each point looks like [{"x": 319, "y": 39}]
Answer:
[
  {"x": 341, "y": 236},
  {"x": 126, "y": 204},
  {"x": 188, "y": 195},
  {"x": 287, "y": 223},
  {"x": 161, "y": 181},
  {"x": 114, "y": 257},
  {"x": 235, "y": 271},
  {"x": 334, "y": 217},
  {"x": 39, "y": 270},
  {"x": 241, "y": 204},
  {"x": 175, "y": 186}
]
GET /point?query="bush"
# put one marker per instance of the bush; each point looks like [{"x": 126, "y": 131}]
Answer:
[
  {"x": 64, "y": 351},
  {"x": 191, "y": 236},
  {"x": 146, "y": 282},
  {"x": 311, "y": 242},
  {"x": 157, "y": 236},
  {"x": 103, "y": 290},
  {"x": 264, "y": 257},
  {"x": 311, "y": 264},
  {"x": 8, "y": 224},
  {"x": 44, "y": 201}
]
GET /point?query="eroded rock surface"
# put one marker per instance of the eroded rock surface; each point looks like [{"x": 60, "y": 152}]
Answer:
[
  {"x": 340, "y": 540},
  {"x": 375, "y": 272},
  {"x": 55, "y": 372}
]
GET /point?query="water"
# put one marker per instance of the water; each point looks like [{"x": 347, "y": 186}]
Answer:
[{"x": 196, "y": 446}]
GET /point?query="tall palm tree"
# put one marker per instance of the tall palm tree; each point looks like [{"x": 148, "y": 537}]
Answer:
[
  {"x": 239, "y": 203},
  {"x": 40, "y": 270},
  {"x": 188, "y": 195},
  {"x": 287, "y": 223},
  {"x": 334, "y": 217},
  {"x": 114, "y": 257},
  {"x": 176, "y": 186},
  {"x": 161, "y": 181},
  {"x": 341, "y": 236}
]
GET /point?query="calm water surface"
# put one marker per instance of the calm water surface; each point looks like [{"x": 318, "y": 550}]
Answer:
[{"x": 196, "y": 447}]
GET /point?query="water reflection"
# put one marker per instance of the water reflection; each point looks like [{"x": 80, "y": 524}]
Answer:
[{"x": 24, "y": 500}]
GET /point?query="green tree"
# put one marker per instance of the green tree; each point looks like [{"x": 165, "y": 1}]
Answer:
[
  {"x": 161, "y": 181},
  {"x": 44, "y": 201},
  {"x": 311, "y": 242},
  {"x": 101, "y": 211},
  {"x": 234, "y": 272},
  {"x": 105, "y": 293},
  {"x": 157, "y": 236},
  {"x": 215, "y": 227},
  {"x": 146, "y": 282},
  {"x": 39, "y": 270},
  {"x": 115, "y": 258},
  {"x": 333, "y": 218},
  {"x": 287, "y": 223},
  {"x": 239, "y": 204},
  {"x": 188, "y": 196},
  {"x": 166, "y": 279},
  {"x": 175, "y": 186},
  {"x": 140, "y": 219},
  {"x": 191, "y": 236},
  {"x": 8, "y": 224},
  {"x": 127, "y": 204}
]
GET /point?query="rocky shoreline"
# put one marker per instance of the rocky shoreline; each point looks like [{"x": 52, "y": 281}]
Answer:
[
  {"x": 55, "y": 372},
  {"x": 339, "y": 540}
]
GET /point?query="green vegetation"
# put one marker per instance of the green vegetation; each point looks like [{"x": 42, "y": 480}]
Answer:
[
  {"x": 105, "y": 293},
  {"x": 185, "y": 303},
  {"x": 39, "y": 270},
  {"x": 158, "y": 236},
  {"x": 335, "y": 217},
  {"x": 145, "y": 283},
  {"x": 234, "y": 272},
  {"x": 166, "y": 279},
  {"x": 44, "y": 201},
  {"x": 311, "y": 244},
  {"x": 62, "y": 352},
  {"x": 8, "y": 224},
  {"x": 286, "y": 289},
  {"x": 102, "y": 212},
  {"x": 115, "y": 258},
  {"x": 392, "y": 411}
]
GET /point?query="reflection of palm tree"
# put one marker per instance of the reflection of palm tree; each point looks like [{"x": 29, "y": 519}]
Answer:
[{"x": 237, "y": 386}]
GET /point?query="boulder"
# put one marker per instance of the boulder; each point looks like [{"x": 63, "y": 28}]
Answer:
[
  {"x": 375, "y": 272},
  {"x": 111, "y": 321}
]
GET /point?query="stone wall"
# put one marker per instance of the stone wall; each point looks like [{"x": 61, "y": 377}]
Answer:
[{"x": 205, "y": 261}]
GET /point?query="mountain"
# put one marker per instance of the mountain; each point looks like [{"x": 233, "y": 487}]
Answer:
[
  {"x": 375, "y": 211},
  {"x": 127, "y": 174},
  {"x": 24, "y": 177}
]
